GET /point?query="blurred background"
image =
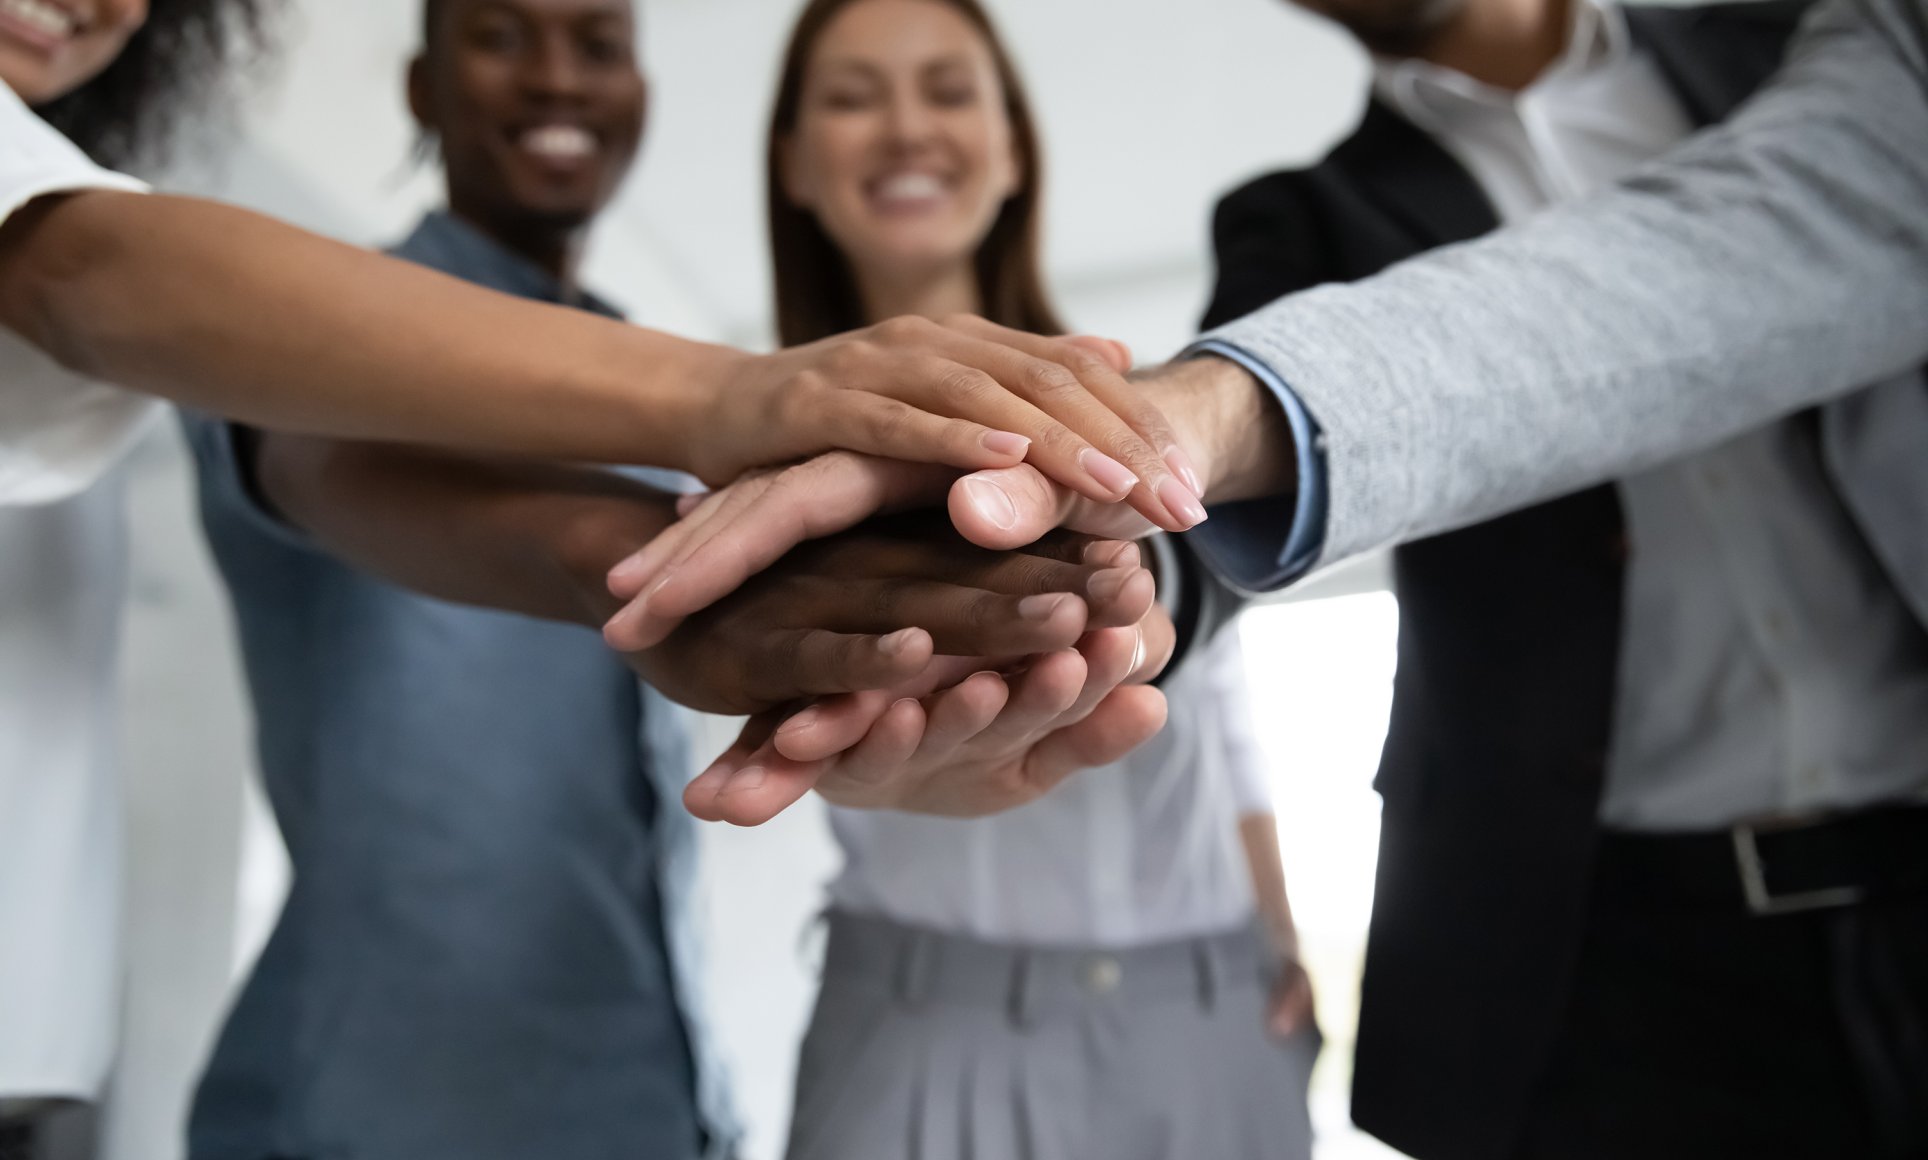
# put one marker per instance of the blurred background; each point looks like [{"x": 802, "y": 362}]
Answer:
[{"x": 1151, "y": 110}]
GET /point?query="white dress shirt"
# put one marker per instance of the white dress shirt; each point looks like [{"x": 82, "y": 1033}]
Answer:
[
  {"x": 1140, "y": 851},
  {"x": 61, "y": 583},
  {"x": 1768, "y": 666}
]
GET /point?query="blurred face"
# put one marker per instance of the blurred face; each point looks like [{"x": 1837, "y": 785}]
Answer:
[
  {"x": 538, "y": 104},
  {"x": 903, "y": 148},
  {"x": 1392, "y": 27},
  {"x": 49, "y": 48}
]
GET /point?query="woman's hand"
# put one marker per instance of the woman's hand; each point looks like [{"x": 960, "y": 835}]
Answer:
[
  {"x": 964, "y": 393},
  {"x": 871, "y": 609}
]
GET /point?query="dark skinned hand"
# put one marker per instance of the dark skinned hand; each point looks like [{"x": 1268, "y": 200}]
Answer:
[{"x": 873, "y": 608}]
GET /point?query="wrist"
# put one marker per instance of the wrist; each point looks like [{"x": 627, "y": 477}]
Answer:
[
  {"x": 596, "y": 535},
  {"x": 1230, "y": 424},
  {"x": 672, "y": 421}
]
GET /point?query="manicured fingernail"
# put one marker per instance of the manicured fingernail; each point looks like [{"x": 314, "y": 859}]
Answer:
[
  {"x": 805, "y": 720},
  {"x": 748, "y": 778},
  {"x": 1180, "y": 501},
  {"x": 897, "y": 642},
  {"x": 992, "y": 503},
  {"x": 1041, "y": 607},
  {"x": 1182, "y": 465},
  {"x": 1111, "y": 475},
  {"x": 1006, "y": 443},
  {"x": 1106, "y": 585}
]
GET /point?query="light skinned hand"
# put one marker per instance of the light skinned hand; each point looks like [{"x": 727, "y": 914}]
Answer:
[
  {"x": 730, "y": 535},
  {"x": 1290, "y": 1004},
  {"x": 962, "y": 392}
]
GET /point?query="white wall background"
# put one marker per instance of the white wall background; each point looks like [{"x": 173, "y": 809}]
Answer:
[{"x": 1151, "y": 109}]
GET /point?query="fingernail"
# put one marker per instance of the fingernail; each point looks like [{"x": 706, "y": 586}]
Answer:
[
  {"x": 1111, "y": 475},
  {"x": 1113, "y": 554},
  {"x": 1106, "y": 585},
  {"x": 744, "y": 779},
  {"x": 624, "y": 571},
  {"x": 1006, "y": 443},
  {"x": 1182, "y": 465},
  {"x": 1137, "y": 654},
  {"x": 897, "y": 642},
  {"x": 1041, "y": 607},
  {"x": 992, "y": 503},
  {"x": 807, "y": 719},
  {"x": 1181, "y": 502}
]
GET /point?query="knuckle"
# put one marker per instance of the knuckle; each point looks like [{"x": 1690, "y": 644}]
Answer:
[
  {"x": 903, "y": 330},
  {"x": 1051, "y": 381},
  {"x": 967, "y": 385},
  {"x": 889, "y": 422},
  {"x": 1081, "y": 362}
]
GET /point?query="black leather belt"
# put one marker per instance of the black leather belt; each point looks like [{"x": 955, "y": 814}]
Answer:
[{"x": 1782, "y": 866}]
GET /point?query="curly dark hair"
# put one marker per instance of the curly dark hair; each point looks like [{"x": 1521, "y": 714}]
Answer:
[{"x": 177, "y": 58}]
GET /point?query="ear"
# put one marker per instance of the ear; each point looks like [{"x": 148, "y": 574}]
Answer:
[
  {"x": 421, "y": 103},
  {"x": 797, "y": 185}
]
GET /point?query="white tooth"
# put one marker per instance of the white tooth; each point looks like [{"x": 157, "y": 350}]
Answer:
[
  {"x": 41, "y": 17},
  {"x": 559, "y": 141},
  {"x": 912, "y": 186}
]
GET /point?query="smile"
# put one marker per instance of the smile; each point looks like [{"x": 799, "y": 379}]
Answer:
[
  {"x": 566, "y": 144},
  {"x": 39, "y": 22},
  {"x": 911, "y": 191}
]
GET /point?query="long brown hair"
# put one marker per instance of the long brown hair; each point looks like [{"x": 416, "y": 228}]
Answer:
[{"x": 816, "y": 291}]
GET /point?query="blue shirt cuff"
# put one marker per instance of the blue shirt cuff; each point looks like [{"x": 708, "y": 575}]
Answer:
[{"x": 1264, "y": 544}]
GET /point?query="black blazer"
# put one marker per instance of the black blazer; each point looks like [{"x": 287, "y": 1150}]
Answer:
[{"x": 1508, "y": 651}]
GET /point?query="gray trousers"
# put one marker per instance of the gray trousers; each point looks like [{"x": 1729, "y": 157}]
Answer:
[
  {"x": 927, "y": 1046},
  {"x": 47, "y": 1130}
]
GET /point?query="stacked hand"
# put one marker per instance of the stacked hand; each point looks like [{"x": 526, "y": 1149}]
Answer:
[
  {"x": 999, "y": 670},
  {"x": 896, "y": 665}
]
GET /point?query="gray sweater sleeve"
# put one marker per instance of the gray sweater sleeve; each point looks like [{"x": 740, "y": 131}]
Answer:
[{"x": 1767, "y": 265}]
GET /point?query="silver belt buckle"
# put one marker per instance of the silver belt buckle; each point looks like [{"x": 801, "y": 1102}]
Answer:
[{"x": 1764, "y": 903}]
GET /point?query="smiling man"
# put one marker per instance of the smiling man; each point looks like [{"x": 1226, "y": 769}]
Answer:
[{"x": 485, "y": 951}]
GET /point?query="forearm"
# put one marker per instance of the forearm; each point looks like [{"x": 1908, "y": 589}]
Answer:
[
  {"x": 526, "y": 538},
  {"x": 1259, "y": 835},
  {"x": 239, "y": 315},
  {"x": 1230, "y": 423},
  {"x": 1767, "y": 267}
]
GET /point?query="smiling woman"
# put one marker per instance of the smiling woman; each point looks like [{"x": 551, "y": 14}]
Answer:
[{"x": 147, "y": 59}]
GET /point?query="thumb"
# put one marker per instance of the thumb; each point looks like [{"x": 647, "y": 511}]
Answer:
[{"x": 1008, "y": 507}]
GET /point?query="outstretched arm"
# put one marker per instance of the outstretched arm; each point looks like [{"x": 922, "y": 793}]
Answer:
[
  {"x": 864, "y": 611},
  {"x": 1766, "y": 266}
]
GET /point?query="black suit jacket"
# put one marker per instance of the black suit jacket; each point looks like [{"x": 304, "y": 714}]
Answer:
[{"x": 1508, "y": 652}]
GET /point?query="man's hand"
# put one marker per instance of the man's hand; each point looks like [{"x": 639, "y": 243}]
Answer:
[
  {"x": 1242, "y": 450},
  {"x": 987, "y": 743},
  {"x": 871, "y": 609}
]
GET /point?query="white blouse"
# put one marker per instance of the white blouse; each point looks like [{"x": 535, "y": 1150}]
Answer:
[
  {"x": 1137, "y": 852},
  {"x": 62, "y": 559}
]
